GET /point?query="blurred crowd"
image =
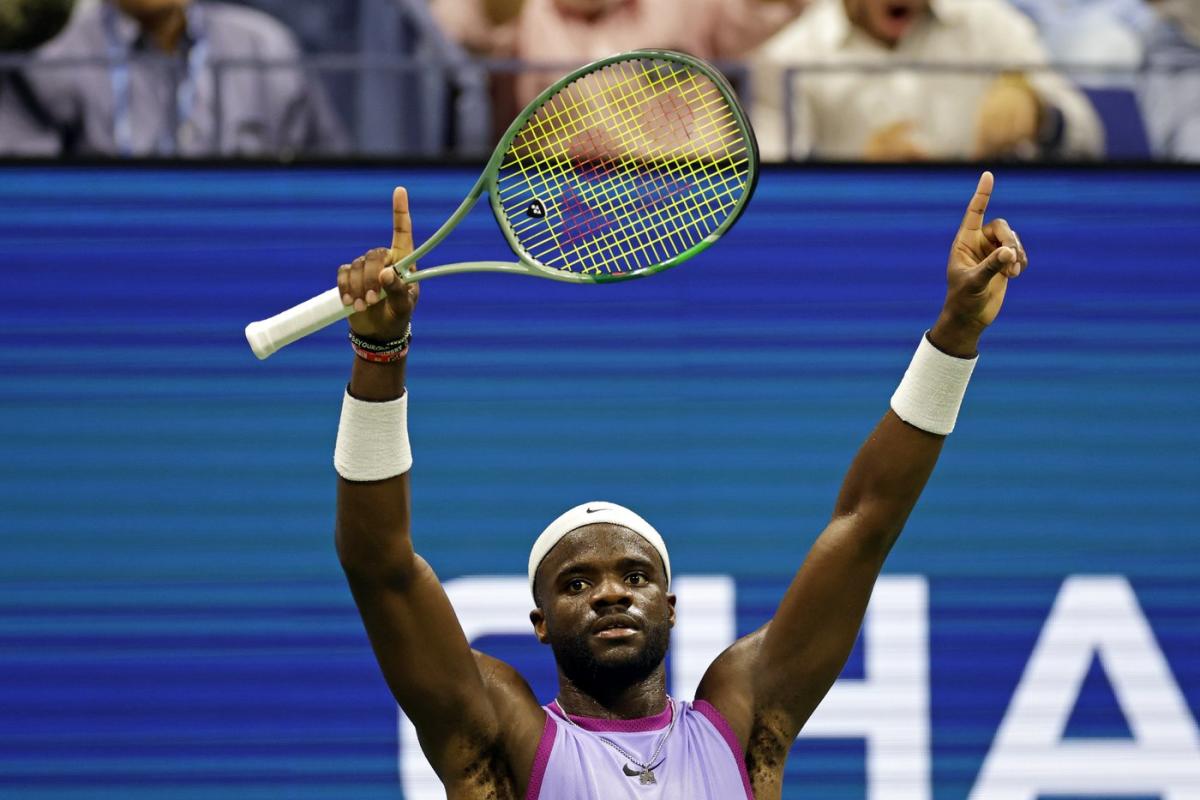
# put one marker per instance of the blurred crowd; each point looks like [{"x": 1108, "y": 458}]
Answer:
[{"x": 876, "y": 80}]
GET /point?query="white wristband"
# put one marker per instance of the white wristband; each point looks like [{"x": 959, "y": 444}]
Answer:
[
  {"x": 372, "y": 439},
  {"x": 932, "y": 390}
]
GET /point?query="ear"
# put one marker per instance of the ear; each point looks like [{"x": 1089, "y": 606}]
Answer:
[
  {"x": 539, "y": 625},
  {"x": 671, "y": 610}
]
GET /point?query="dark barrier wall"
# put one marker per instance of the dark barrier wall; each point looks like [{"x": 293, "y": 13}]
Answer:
[{"x": 173, "y": 621}]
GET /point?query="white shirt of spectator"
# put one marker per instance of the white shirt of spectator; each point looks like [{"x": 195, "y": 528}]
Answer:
[{"x": 835, "y": 109}]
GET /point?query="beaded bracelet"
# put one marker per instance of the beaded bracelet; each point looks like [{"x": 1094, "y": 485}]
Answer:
[{"x": 381, "y": 352}]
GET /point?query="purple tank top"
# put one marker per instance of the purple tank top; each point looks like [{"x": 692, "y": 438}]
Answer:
[{"x": 700, "y": 759}]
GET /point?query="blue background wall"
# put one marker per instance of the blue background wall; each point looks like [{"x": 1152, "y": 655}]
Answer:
[{"x": 173, "y": 621}]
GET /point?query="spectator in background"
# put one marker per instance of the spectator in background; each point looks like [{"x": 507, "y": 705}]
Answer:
[
  {"x": 871, "y": 105},
  {"x": 25, "y": 24},
  {"x": 158, "y": 83},
  {"x": 1102, "y": 33},
  {"x": 1170, "y": 89},
  {"x": 566, "y": 33}
]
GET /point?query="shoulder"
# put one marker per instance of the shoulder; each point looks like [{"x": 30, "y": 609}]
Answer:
[
  {"x": 248, "y": 29},
  {"x": 996, "y": 17},
  {"x": 728, "y": 684},
  {"x": 511, "y": 696},
  {"x": 522, "y": 720}
]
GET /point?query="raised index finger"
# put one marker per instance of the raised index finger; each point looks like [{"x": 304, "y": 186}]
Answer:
[
  {"x": 402, "y": 238},
  {"x": 973, "y": 220}
]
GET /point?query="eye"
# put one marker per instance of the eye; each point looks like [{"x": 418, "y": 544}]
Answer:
[
  {"x": 576, "y": 585},
  {"x": 637, "y": 579}
]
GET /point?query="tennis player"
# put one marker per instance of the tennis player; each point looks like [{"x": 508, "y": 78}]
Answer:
[{"x": 600, "y": 578}]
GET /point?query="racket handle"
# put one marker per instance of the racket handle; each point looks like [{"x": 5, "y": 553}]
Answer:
[{"x": 268, "y": 335}]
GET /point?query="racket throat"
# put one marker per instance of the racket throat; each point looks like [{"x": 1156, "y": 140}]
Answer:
[{"x": 490, "y": 266}]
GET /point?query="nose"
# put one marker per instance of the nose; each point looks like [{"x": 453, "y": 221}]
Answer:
[{"x": 612, "y": 590}]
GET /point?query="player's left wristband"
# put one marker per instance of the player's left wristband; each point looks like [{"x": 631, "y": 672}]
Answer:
[
  {"x": 372, "y": 439},
  {"x": 931, "y": 392}
]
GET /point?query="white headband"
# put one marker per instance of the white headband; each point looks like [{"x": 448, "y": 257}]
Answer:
[{"x": 590, "y": 514}]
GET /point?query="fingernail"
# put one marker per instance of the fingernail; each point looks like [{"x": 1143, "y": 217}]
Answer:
[
  {"x": 372, "y": 298},
  {"x": 347, "y": 300},
  {"x": 359, "y": 305}
]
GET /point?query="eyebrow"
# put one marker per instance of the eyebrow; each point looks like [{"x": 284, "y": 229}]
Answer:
[{"x": 626, "y": 562}]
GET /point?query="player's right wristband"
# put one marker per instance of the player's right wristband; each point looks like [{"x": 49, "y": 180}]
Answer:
[
  {"x": 932, "y": 390},
  {"x": 372, "y": 439}
]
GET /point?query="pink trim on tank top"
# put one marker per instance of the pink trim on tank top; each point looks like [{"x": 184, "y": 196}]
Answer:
[
  {"x": 542, "y": 759},
  {"x": 722, "y": 725},
  {"x": 639, "y": 725}
]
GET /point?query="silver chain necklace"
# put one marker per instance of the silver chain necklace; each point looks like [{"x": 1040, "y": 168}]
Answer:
[{"x": 645, "y": 772}]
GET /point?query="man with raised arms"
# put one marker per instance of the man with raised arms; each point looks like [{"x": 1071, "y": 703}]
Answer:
[{"x": 600, "y": 576}]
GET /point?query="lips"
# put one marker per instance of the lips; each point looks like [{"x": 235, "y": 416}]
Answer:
[{"x": 615, "y": 626}]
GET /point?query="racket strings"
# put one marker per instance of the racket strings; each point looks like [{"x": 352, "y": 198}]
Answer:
[
  {"x": 696, "y": 142},
  {"x": 685, "y": 214},
  {"x": 660, "y": 109},
  {"x": 694, "y": 163},
  {"x": 672, "y": 194},
  {"x": 632, "y": 165},
  {"x": 655, "y": 191}
]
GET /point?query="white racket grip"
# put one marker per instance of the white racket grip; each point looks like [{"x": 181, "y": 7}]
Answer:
[{"x": 268, "y": 335}]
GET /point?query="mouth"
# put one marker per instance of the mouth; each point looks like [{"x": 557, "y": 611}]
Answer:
[
  {"x": 897, "y": 19},
  {"x": 615, "y": 626}
]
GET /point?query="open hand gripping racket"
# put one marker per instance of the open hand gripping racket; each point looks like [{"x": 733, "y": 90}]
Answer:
[{"x": 624, "y": 168}]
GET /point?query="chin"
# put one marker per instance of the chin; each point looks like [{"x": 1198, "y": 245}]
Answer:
[
  {"x": 594, "y": 663},
  {"x": 626, "y": 666}
]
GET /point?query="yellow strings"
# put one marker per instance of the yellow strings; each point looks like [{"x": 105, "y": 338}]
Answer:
[
  {"x": 610, "y": 187},
  {"x": 627, "y": 140}
]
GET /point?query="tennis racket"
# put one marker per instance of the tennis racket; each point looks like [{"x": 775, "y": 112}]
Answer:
[{"x": 622, "y": 169}]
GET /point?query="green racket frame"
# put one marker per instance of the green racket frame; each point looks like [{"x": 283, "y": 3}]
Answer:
[
  {"x": 528, "y": 265},
  {"x": 269, "y": 335}
]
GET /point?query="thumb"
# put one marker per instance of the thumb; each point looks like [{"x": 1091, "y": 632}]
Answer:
[{"x": 1002, "y": 261}]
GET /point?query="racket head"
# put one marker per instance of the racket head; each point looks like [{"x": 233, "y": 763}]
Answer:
[{"x": 624, "y": 168}]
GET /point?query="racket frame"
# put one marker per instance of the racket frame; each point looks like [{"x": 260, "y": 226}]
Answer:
[
  {"x": 487, "y": 182},
  {"x": 269, "y": 335}
]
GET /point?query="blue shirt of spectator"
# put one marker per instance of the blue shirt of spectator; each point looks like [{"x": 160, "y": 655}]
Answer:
[{"x": 228, "y": 85}]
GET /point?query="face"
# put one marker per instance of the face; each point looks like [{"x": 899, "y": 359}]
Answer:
[
  {"x": 886, "y": 20},
  {"x": 604, "y": 608}
]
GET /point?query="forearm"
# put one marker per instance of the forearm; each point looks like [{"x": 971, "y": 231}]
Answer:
[
  {"x": 373, "y": 518},
  {"x": 892, "y": 467}
]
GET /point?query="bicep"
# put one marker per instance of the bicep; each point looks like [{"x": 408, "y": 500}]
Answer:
[
  {"x": 811, "y": 636},
  {"x": 425, "y": 658},
  {"x": 774, "y": 678}
]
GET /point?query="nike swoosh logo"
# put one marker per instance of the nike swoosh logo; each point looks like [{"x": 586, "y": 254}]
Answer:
[{"x": 593, "y": 511}]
